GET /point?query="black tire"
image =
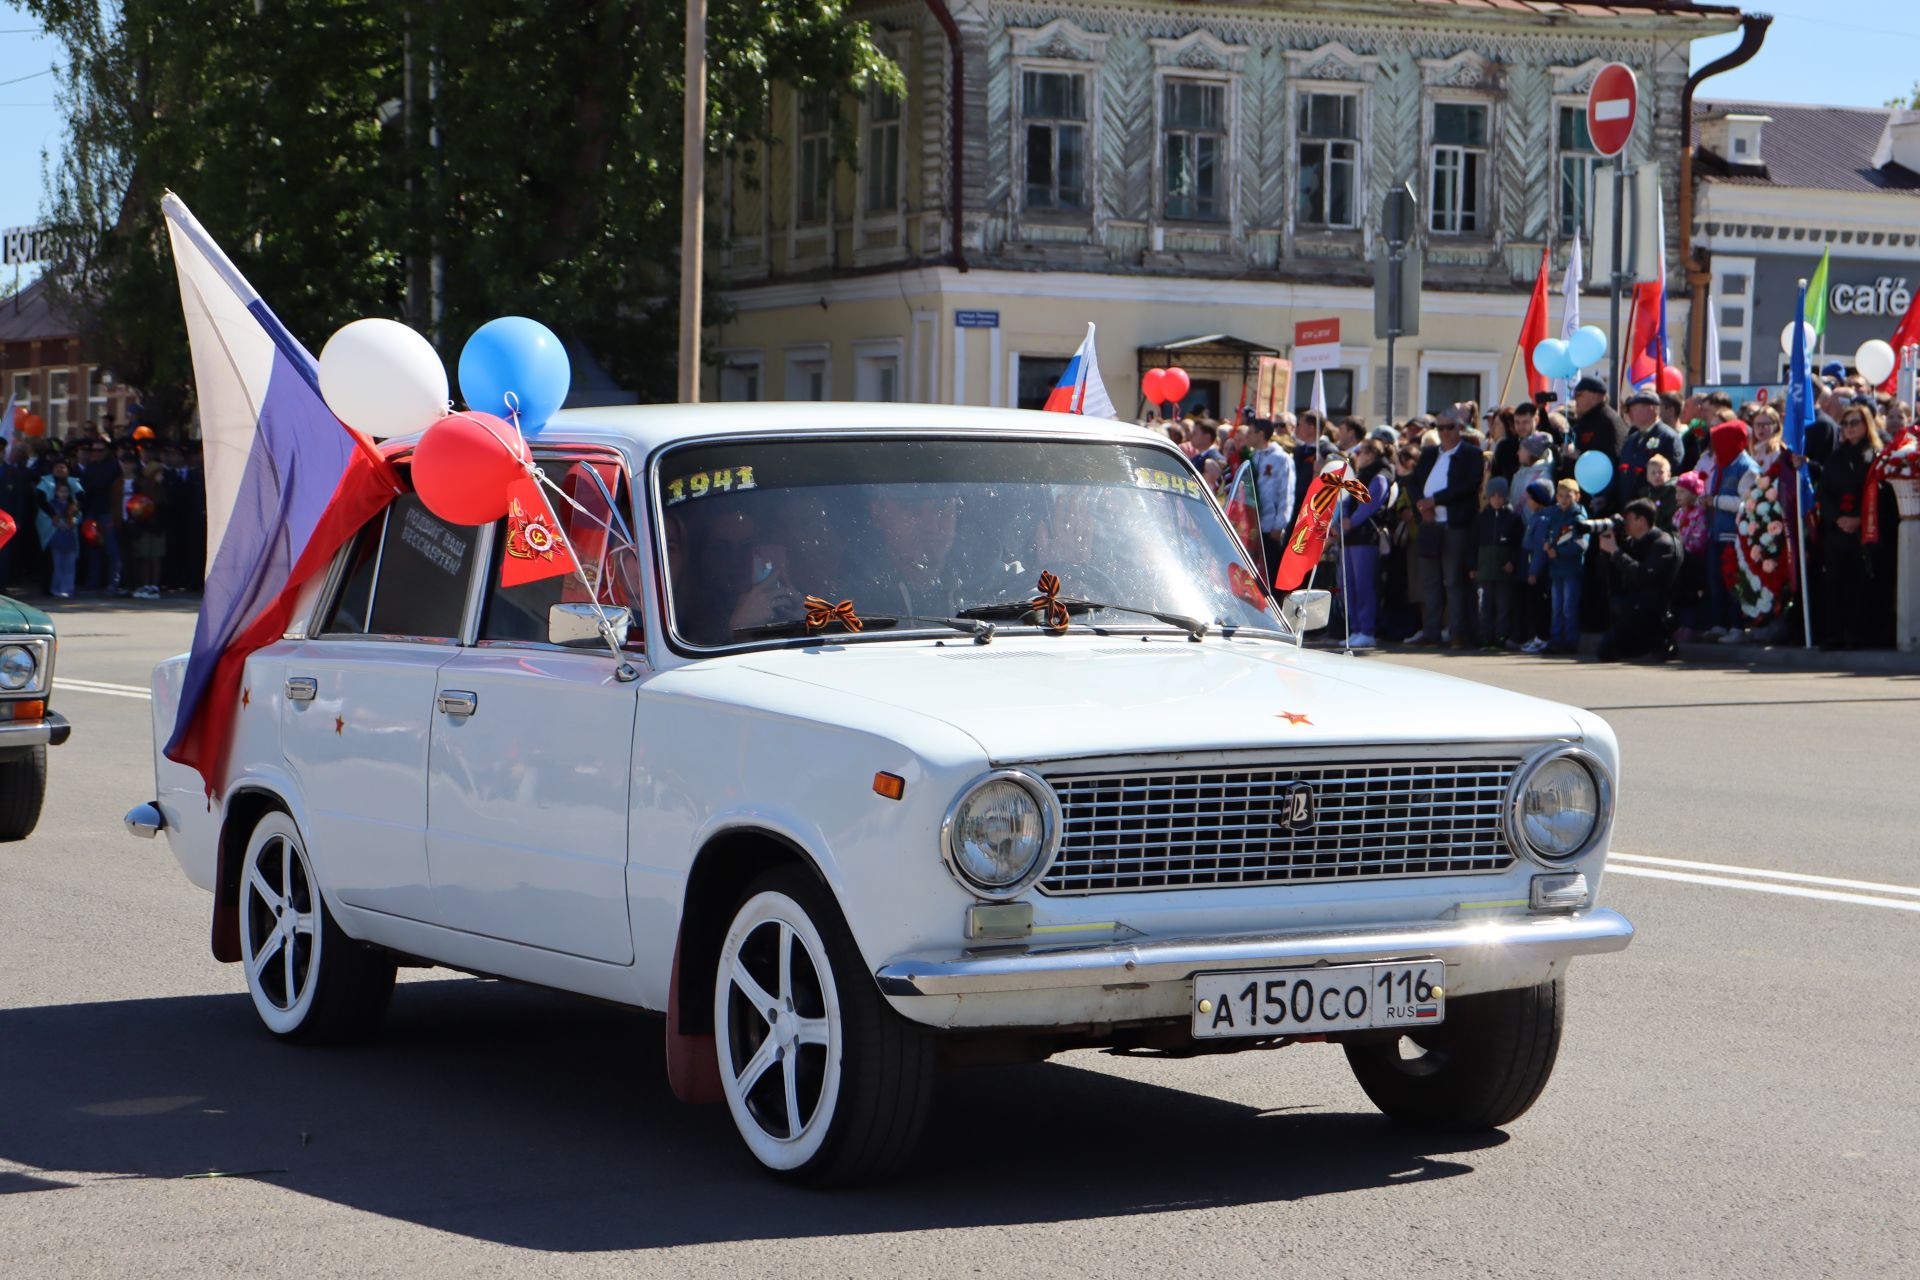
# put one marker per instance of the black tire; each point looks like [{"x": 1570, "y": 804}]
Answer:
[
  {"x": 1480, "y": 1069},
  {"x": 334, "y": 992},
  {"x": 23, "y": 789},
  {"x": 885, "y": 1063}
]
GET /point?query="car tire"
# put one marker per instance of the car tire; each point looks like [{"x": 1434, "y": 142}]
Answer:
[
  {"x": 309, "y": 981},
  {"x": 1480, "y": 1069},
  {"x": 23, "y": 789},
  {"x": 826, "y": 1084}
]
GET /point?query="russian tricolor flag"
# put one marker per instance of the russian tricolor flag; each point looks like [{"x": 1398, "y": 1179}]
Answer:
[
  {"x": 287, "y": 484},
  {"x": 1080, "y": 389}
]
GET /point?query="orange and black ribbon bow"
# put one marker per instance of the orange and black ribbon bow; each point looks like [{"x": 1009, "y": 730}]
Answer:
[
  {"x": 820, "y": 613},
  {"x": 1053, "y": 614},
  {"x": 1331, "y": 487}
]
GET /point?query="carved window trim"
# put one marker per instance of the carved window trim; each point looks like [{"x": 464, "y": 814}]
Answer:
[
  {"x": 1559, "y": 103},
  {"x": 865, "y": 221},
  {"x": 1488, "y": 212},
  {"x": 1017, "y": 150},
  {"x": 1199, "y": 56},
  {"x": 1362, "y": 93}
]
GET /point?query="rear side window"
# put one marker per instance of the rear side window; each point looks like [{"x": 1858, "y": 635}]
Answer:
[{"x": 407, "y": 576}]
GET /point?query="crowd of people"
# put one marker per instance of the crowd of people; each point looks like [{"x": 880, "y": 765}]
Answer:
[
  {"x": 1477, "y": 532},
  {"x": 104, "y": 512}
]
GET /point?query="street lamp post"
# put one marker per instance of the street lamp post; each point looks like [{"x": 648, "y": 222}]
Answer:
[{"x": 693, "y": 158}]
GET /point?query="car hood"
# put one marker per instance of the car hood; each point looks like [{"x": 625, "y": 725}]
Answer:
[
  {"x": 1039, "y": 698},
  {"x": 17, "y": 617}
]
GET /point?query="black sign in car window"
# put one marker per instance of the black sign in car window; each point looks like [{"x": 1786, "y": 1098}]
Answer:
[{"x": 425, "y": 564}]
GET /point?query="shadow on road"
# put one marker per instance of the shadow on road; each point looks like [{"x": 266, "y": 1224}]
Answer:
[{"x": 541, "y": 1120}]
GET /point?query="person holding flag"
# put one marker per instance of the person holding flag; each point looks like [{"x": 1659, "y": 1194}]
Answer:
[{"x": 1080, "y": 389}]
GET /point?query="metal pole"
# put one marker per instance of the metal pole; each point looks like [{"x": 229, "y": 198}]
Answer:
[
  {"x": 1619, "y": 273},
  {"x": 693, "y": 157},
  {"x": 1389, "y": 377}
]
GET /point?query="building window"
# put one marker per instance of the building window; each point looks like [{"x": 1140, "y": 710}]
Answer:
[
  {"x": 1328, "y": 159},
  {"x": 59, "y": 415},
  {"x": 22, "y": 393},
  {"x": 99, "y": 392},
  {"x": 1194, "y": 131},
  {"x": 1039, "y": 375},
  {"x": 1053, "y": 105},
  {"x": 807, "y": 377},
  {"x": 813, "y": 162},
  {"x": 876, "y": 377},
  {"x": 1339, "y": 385},
  {"x": 1444, "y": 390},
  {"x": 1577, "y": 163},
  {"x": 1458, "y": 176},
  {"x": 740, "y": 378},
  {"x": 883, "y": 151}
]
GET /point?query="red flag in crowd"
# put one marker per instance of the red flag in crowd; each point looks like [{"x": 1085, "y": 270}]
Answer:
[
  {"x": 1311, "y": 526},
  {"x": 1907, "y": 335},
  {"x": 1533, "y": 329}
]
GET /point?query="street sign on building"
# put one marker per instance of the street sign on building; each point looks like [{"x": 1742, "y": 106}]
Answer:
[
  {"x": 976, "y": 319},
  {"x": 1316, "y": 345},
  {"x": 1613, "y": 101}
]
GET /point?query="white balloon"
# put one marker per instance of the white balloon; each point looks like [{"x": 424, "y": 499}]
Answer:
[
  {"x": 1786, "y": 339},
  {"x": 380, "y": 377},
  {"x": 1875, "y": 360}
]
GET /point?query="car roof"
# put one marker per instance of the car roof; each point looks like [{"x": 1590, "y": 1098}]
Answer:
[{"x": 649, "y": 427}]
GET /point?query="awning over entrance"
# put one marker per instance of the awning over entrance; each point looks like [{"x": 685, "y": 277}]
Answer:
[{"x": 1220, "y": 365}]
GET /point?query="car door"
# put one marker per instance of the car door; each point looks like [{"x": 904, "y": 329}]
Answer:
[
  {"x": 358, "y": 706},
  {"x": 528, "y": 778}
]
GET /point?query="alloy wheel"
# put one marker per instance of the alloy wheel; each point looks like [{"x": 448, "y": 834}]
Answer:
[{"x": 280, "y": 933}]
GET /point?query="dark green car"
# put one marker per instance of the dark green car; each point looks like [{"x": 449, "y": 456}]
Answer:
[{"x": 28, "y": 726}]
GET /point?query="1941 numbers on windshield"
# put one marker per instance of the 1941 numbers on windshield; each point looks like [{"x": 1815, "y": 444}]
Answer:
[{"x": 702, "y": 483}]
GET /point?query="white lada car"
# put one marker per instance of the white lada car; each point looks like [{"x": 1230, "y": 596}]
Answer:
[{"x": 931, "y": 735}]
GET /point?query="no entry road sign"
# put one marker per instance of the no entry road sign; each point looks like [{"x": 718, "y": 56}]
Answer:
[{"x": 1612, "y": 104}]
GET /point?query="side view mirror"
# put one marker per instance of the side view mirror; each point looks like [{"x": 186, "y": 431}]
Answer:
[
  {"x": 579, "y": 624},
  {"x": 1308, "y": 610}
]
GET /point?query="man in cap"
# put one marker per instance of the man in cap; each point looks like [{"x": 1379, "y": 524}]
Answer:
[
  {"x": 1597, "y": 429},
  {"x": 1647, "y": 436},
  {"x": 1446, "y": 485}
]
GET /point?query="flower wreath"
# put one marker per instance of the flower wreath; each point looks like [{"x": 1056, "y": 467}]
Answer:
[{"x": 1762, "y": 555}]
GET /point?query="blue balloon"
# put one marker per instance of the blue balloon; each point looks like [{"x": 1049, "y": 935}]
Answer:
[
  {"x": 514, "y": 365},
  {"x": 1587, "y": 346},
  {"x": 1550, "y": 359},
  {"x": 1593, "y": 471}
]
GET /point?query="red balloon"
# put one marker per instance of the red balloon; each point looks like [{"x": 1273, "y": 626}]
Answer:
[
  {"x": 90, "y": 532},
  {"x": 1671, "y": 379},
  {"x": 1176, "y": 383},
  {"x": 463, "y": 465},
  {"x": 140, "y": 507},
  {"x": 1153, "y": 385}
]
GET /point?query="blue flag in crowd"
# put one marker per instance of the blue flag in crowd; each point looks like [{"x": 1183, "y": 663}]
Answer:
[{"x": 1801, "y": 408}]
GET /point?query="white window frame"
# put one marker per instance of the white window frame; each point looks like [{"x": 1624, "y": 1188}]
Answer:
[
  {"x": 798, "y": 218},
  {"x": 799, "y": 360},
  {"x": 59, "y": 413},
  {"x": 1484, "y": 216},
  {"x": 870, "y": 356},
  {"x": 1592, "y": 160},
  {"x": 100, "y": 405},
  {"x": 1720, "y": 296},
  {"x": 1088, "y": 129},
  {"x": 1359, "y": 142},
  {"x": 21, "y": 391},
  {"x": 1198, "y": 56},
  {"x": 1482, "y": 363},
  {"x": 1224, "y": 167},
  {"x": 741, "y": 360}
]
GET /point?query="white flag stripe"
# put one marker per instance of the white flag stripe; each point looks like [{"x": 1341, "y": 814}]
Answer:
[
  {"x": 1874, "y": 886},
  {"x": 1094, "y": 401},
  {"x": 1570, "y": 311},
  {"x": 1713, "y": 374},
  {"x": 232, "y": 362},
  {"x": 1613, "y": 109}
]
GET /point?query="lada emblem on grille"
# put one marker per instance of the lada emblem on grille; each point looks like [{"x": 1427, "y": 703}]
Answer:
[{"x": 1296, "y": 807}]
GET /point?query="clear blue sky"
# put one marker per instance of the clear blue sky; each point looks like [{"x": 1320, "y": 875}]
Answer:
[{"x": 1844, "y": 52}]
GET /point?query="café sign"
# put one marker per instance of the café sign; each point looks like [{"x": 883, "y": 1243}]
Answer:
[{"x": 1885, "y": 296}]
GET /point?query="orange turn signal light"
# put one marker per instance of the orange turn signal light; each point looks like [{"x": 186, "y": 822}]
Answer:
[
  {"x": 36, "y": 710},
  {"x": 890, "y": 785}
]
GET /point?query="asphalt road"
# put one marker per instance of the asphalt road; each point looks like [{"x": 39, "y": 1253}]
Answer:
[{"x": 1735, "y": 1094}]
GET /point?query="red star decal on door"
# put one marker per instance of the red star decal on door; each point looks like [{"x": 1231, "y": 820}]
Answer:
[
  {"x": 339, "y": 724},
  {"x": 1293, "y": 717},
  {"x": 246, "y": 697}
]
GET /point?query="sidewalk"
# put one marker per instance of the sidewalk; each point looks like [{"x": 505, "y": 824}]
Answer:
[{"x": 1754, "y": 657}]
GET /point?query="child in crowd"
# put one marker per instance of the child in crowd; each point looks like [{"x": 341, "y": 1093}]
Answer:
[
  {"x": 1497, "y": 532},
  {"x": 1536, "y": 612},
  {"x": 63, "y": 538},
  {"x": 1656, "y": 486},
  {"x": 1563, "y": 563},
  {"x": 1690, "y": 531}
]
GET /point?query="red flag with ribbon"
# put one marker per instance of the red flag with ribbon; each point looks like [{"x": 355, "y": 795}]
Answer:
[
  {"x": 536, "y": 547},
  {"x": 1315, "y": 521}
]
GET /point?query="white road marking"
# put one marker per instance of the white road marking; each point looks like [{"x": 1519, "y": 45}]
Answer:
[
  {"x": 99, "y": 686},
  {"x": 1760, "y": 886},
  {"x": 1795, "y": 876}
]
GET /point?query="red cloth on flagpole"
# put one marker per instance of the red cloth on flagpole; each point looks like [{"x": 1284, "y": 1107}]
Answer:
[
  {"x": 1646, "y": 363},
  {"x": 1533, "y": 329},
  {"x": 1907, "y": 335},
  {"x": 1310, "y": 527}
]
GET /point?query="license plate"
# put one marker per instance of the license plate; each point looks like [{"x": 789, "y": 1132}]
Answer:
[{"x": 1291, "y": 1002}]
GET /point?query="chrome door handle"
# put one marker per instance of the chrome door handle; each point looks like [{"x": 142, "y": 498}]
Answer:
[
  {"x": 458, "y": 702},
  {"x": 302, "y": 688}
]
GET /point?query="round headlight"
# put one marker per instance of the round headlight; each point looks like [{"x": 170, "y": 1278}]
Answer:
[
  {"x": 997, "y": 835},
  {"x": 17, "y": 668},
  {"x": 1559, "y": 807}
]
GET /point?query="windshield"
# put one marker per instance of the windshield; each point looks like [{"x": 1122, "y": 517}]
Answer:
[{"x": 911, "y": 529}]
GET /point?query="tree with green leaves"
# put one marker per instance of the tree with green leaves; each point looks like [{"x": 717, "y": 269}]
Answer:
[
  {"x": 1910, "y": 102},
  {"x": 442, "y": 161}
]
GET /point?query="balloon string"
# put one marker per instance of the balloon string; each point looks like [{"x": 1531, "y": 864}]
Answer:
[
  {"x": 579, "y": 570},
  {"x": 513, "y": 410}
]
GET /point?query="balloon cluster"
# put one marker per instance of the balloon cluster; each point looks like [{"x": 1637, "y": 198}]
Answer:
[
  {"x": 1557, "y": 358},
  {"x": 28, "y": 424},
  {"x": 1165, "y": 386},
  {"x": 382, "y": 378}
]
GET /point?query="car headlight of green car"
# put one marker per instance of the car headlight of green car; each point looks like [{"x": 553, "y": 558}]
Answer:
[{"x": 19, "y": 667}]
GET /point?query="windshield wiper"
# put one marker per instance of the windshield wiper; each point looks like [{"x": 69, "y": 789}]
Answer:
[
  {"x": 981, "y": 631},
  {"x": 1009, "y": 610}
]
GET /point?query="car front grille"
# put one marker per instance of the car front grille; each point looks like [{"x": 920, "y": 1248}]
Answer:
[{"x": 1219, "y": 828}]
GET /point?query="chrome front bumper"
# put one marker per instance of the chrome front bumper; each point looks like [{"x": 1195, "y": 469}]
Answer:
[
  {"x": 1492, "y": 955},
  {"x": 50, "y": 731}
]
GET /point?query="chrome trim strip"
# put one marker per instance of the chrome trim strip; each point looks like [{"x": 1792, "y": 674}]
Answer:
[{"x": 991, "y": 970}]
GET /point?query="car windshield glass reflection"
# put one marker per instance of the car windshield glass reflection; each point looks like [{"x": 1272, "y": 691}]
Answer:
[{"x": 926, "y": 528}]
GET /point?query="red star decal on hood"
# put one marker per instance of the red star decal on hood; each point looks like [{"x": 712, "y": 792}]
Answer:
[{"x": 1293, "y": 717}]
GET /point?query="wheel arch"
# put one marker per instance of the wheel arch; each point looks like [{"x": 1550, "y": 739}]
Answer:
[{"x": 245, "y": 806}]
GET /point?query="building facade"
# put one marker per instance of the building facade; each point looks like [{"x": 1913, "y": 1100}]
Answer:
[
  {"x": 48, "y": 369},
  {"x": 1780, "y": 185},
  {"x": 1176, "y": 172}
]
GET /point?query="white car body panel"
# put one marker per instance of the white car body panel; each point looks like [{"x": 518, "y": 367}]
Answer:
[{"x": 550, "y": 836}]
